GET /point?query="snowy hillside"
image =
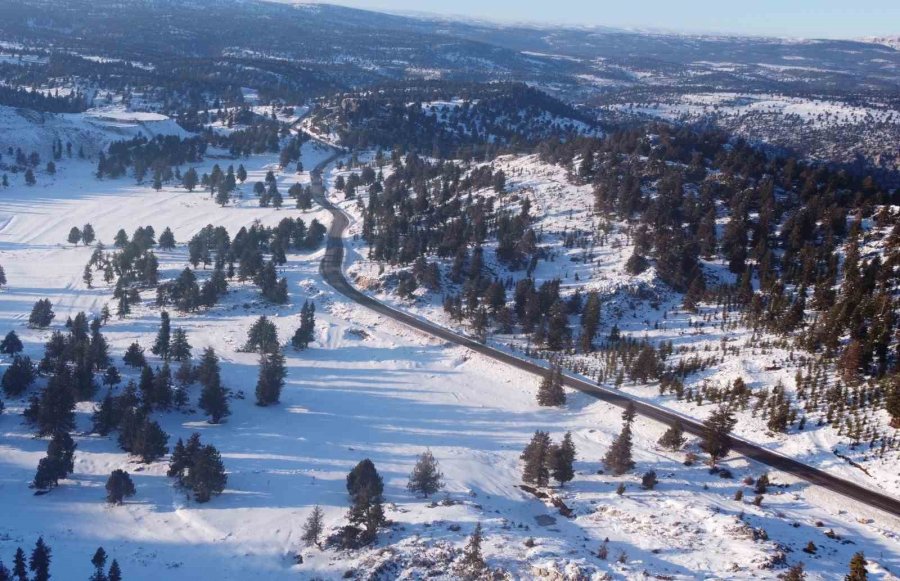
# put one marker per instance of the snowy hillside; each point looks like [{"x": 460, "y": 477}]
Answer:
[
  {"x": 640, "y": 307},
  {"x": 92, "y": 131}
]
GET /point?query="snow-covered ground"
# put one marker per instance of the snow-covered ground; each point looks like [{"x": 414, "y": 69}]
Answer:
[{"x": 368, "y": 388}]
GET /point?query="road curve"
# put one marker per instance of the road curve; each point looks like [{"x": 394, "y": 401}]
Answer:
[{"x": 332, "y": 271}]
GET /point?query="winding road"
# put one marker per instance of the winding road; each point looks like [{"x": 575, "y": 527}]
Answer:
[{"x": 331, "y": 269}]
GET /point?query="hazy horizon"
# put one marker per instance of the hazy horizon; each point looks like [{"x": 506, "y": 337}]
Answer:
[{"x": 799, "y": 19}]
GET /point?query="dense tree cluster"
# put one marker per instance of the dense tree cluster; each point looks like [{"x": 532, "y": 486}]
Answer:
[
  {"x": 156, "y": 156},
  {"x": 41, "y": 101},
  {"x": 484, "y": 118}
]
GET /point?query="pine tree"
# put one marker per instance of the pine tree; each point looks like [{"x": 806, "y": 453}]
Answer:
[
  {"x": 11, "y": 344},
  {"x": 20, "y": 565},
  {"x": 134, "y": 356},
  {"x": 190, "y": 179},
  {"x": 162, "y": 387},
  {"x": 124, "y": 306},
  {"x": 54, "y": 410},
  {"x": 426, "y": 477},
  {"x": 18, "y": 377},
  {"x": 629, "y": 413},
  {"x": 590, "y": 321},
  {"x": 562, "y": 460},
  {"x": 121, "y": 239},
  {"x": 179, "y": 348},
  {"x": 314, "y": 526},
  {"x": 537, "y": 460},
  {"x": 88, "y": 235},
  {"x": 262, "y": 336},
  {"x": 99, "y": 562},
  {"x": 214, "y": 399},
  {"x": 223, "y": 196},
  {"x": 115, "y": 573},
  {"x": 185, "y": 374},
  {"x": 149, "y": 441},
  {"x": 618, "y": 457},
  {"x": 305, "y": 334},
  {"x": 550, "y": 392},
  {"x": 673, "y": 438},
  {"x": 41, "y": 314},
  {"x": 119, "y": 486},
  {"x": 39, "y": 563},
  {"x": 62, "y": 450},
  {"x": 5, "y": 574},
  {"x": 271, "y": 378},
  {"x": 163, "y": 336},
  {"x": 472, "y": 562},
  {"x": 145, "y": 384},
  {"x": 365, "y": 488},
  {"x": 74, "y": 236},
  {"x": 111, "y": 376},
  {"x": 167, "y": 239},
  {"x": 558, "y": 332},
  {"x": 716, "y": 434},
  {"x": 184, "y": 456},
  {"x": 206, "y": 477},
  {"x": 858, "y": 571},
  {"x": 105, "y": 417},
  {"x": 47, "y": 474},
  {"x": 208, "y": 368}
]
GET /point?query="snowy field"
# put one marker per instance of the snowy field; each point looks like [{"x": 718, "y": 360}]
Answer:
[{"x": 367, "y": 388}]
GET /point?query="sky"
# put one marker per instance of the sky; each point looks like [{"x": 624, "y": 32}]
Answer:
[{"x": 795, "y": 18}]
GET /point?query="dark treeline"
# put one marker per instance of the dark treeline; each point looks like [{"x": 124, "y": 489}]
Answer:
[
  {"x": 485, "y": 119},
  {"x": 39, "y": 101},
  {"x": 157, "y": 155}
]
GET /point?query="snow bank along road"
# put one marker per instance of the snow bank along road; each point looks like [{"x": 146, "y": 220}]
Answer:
[{"x": 332, "y": 271}]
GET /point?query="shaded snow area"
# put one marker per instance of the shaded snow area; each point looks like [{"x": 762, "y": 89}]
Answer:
[{"x": 370, "y": 388}]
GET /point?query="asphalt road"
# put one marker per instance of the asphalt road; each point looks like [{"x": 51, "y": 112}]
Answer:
[{"x": 331, "y": 269}]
